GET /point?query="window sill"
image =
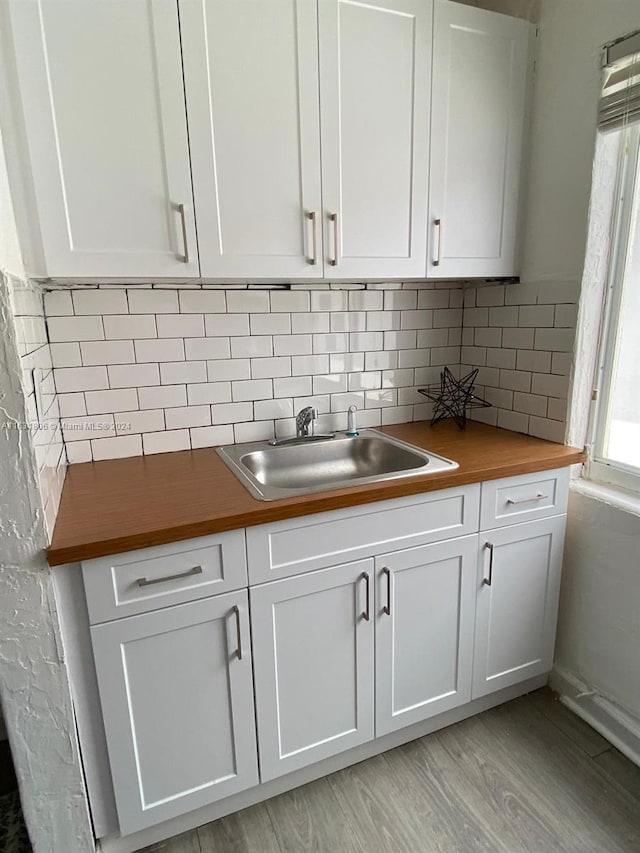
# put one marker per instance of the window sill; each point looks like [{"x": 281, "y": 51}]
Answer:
[{"x": 611, "y": 495}]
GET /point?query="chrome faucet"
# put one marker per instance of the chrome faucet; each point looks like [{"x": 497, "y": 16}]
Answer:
[{"x": 305, "y": 429}]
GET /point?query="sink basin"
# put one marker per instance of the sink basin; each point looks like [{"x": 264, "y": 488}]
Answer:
[{"x": 299, "y": 468}]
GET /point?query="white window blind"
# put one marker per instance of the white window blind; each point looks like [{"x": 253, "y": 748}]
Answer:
[{"x": 620, "y": 100}]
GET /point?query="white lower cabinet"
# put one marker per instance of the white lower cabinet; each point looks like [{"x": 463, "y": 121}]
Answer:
[
  {"x": 313, "y": 648},
  {"x": 177, "y": 702},
  {"x": 396, "y": 629},
  {"x": 425, "y": 610},
  {"x": 518, "y": 590}
]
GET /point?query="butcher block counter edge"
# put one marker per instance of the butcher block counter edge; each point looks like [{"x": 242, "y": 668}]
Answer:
[{"x": 124, "y": 504}]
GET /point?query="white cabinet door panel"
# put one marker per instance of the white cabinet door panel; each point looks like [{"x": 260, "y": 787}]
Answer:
[
  {"x": 481, "y": 66},
  {"x": 518, "y": 591},
  {"x": 313, "y": 652},
  {"x": 425, "y": 606},
  {"x": 251, "y": 75},
  {"x": 375, "y": 66},
  {"x": 178, "y": 710},
  {"x": 103, "y": 102}
]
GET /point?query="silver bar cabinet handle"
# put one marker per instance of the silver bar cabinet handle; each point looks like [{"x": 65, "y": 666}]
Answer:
[
  {"x": 184, "y": 258},
  {"x": 516, "y": 501},
  {"x": 312, "y": 216},
  {"x": 387, "y": 608},
  {"x": 236, "y": 611},
  {"x": 336, "y": 252},
  {"x": 438, "y": 258},
  {"x": 488, "y": 581},
  {"x": 196, "y": 570},
  {"x": 367, "y": 612}
]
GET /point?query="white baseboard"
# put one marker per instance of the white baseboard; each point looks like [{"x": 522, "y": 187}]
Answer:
[{"x": 607, "y": 718}]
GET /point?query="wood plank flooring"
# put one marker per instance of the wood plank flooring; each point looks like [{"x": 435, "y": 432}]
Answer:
[{"x": 527, "y": 777}]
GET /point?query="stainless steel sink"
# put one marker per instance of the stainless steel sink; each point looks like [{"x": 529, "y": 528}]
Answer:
[{"x": 304, "y": 466}]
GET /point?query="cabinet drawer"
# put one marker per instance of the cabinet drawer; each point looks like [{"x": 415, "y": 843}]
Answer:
[
  {"x": 150, "y": 578},
  {"x": 524, "y": 498},
  {"x": 287, "y": 548}
]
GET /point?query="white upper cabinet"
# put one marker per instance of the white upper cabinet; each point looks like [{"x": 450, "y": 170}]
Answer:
[
  {"x": 102, "y": 97},
  {"x": 375, "y": 71},
  {"x": 251, "y": 75},
  {"x": 481, "y": 69}
]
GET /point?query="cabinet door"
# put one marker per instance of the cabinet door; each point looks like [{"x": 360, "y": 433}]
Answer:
[
  {"x": 375, "y": 66},
  {"x": 103, "y": 101},
  {"x": 481, "y": 67},
  {"x": 177, "y": 701},
  {"x": 425, "y": 606},
  {"x": 251, "y": 76},
  {"x": 518, "y": 588},
  {"x": 313, "y": 647}
]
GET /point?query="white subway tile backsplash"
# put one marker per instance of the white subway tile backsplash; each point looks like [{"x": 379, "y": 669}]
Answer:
[
  {"x": 384, "y": 321},
  {"x": 231, "y": 413},
  {"x": 57, "y": 303},
  {"x": 332, "y": 343},
  {"x": 94, "y": 301},
  {"x": 514, "y": 338},
  {"x": 181, "y": 372},
  {"x": 399, "y": 340},
  {"x": 65, "y": 355},
  {"x": 79, "y": 451},
  {"x": 166, "y": 442},
  {"x": 444, "y": 318},
  {"x": 536, "y": 315},
  {"x": 365, "y": 300},
  {"x": 162, "y": 396},
  {"x": 345, "y": 321},
  {"x": 548, "y": 429},
  {"x": 226, "y": 325},
  {"x": 292, "y": 344},
  {"x": 396, "y": 415},
  {"x": 202, "y": 301},
  {"x": 383, "y": 360},
  {"x": 71, "y": 405},
  {"x": 63, "y": 329},
  {"x": 153, "y": 301},
  {"x": 107, "y": 352},
  {"x": 531, "y": 404},
  {"x": 346, "y": 362},
  {"x": 505, "y": 358},
  {"x": 403, "y": 300},
  {"x": 121, "y": 327},
  {"x": 159, "y": 350},
  {"x": 129, "y": 423},
  {"x": 103, "y": 402},
  {"x": 330, "y": 300},
  {"x": 211, "y": 436},
  {"x": 397, "y": 378},
  {"x": 252, "y": 389},
  {"x": 133, "y": 375},
  {"x": 116, "y": 448},
  {"x": 307, "y": 323},
  {"x": 264, "y": 410},
  {"x": 554, "y": 340},
  {"x": 369, "y": 341},
  {"x": 80, "y": 379},
  {"x": 256, "y": 346},
  {"x": 248, "y": 302},
  {"x": 515, "y": 421},
  {"x": 254, "y": 431},
  {"x": 561, "y": 363},
  {"x": 319, "y": 402},
  {"x": 491, "y": 296},
  {"x": 207, "y": 348},
  {"x": 269, "y": 368},
  {"x": 550, "y": 384},
  {"x": 296, "y": 386},
  {"x": 488, "y": 336},
  {"x": 366, "y": 381},
  {"x": 84, "y": 428},
  {"x": 209, "y": 392},
  {"x": 380, "y": 398},
  {"x": 331, "y": 383},
  {"x": 270, "y": 324},
  {"x": 187, "y": 416},
  {"x": 308, "y": 365},
  {"x": 341, "y": 402},
  {"x": 221, "y": 370},
  {"x": 180, "y": 325},
  {"x": 290, "y": 301}
]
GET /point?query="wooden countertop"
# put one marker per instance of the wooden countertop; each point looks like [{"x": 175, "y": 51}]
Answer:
[{"x": 123, "y": 504}]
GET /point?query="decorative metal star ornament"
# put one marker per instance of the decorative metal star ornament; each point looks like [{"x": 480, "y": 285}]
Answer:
[{"x": 453, "y": 397}]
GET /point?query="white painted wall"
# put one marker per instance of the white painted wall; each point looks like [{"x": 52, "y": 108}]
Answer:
[
  {"x": 599, "y": 623},
  {"x": 34, "y": 688}
]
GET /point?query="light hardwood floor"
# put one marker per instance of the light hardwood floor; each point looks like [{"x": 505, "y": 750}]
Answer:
[{"x": 527, "y": 777}]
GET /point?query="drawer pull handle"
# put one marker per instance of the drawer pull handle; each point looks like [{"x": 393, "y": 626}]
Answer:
[
  {"x": 367, "y": 612},
  {"x": 236, "y": 611},
  {"x": 333, "y": 217},
  {"x": 185, "y": 245},
  {"x": 387, "y": 608},
  {"x": 488, "y": 581},
  {"x": 313, "y": 260},
  {"x": 516, "y": 501},
  {"x": 196, "y": 570}
]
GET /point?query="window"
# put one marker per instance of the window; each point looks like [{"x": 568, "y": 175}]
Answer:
[{"x": 615, "y": 427}]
